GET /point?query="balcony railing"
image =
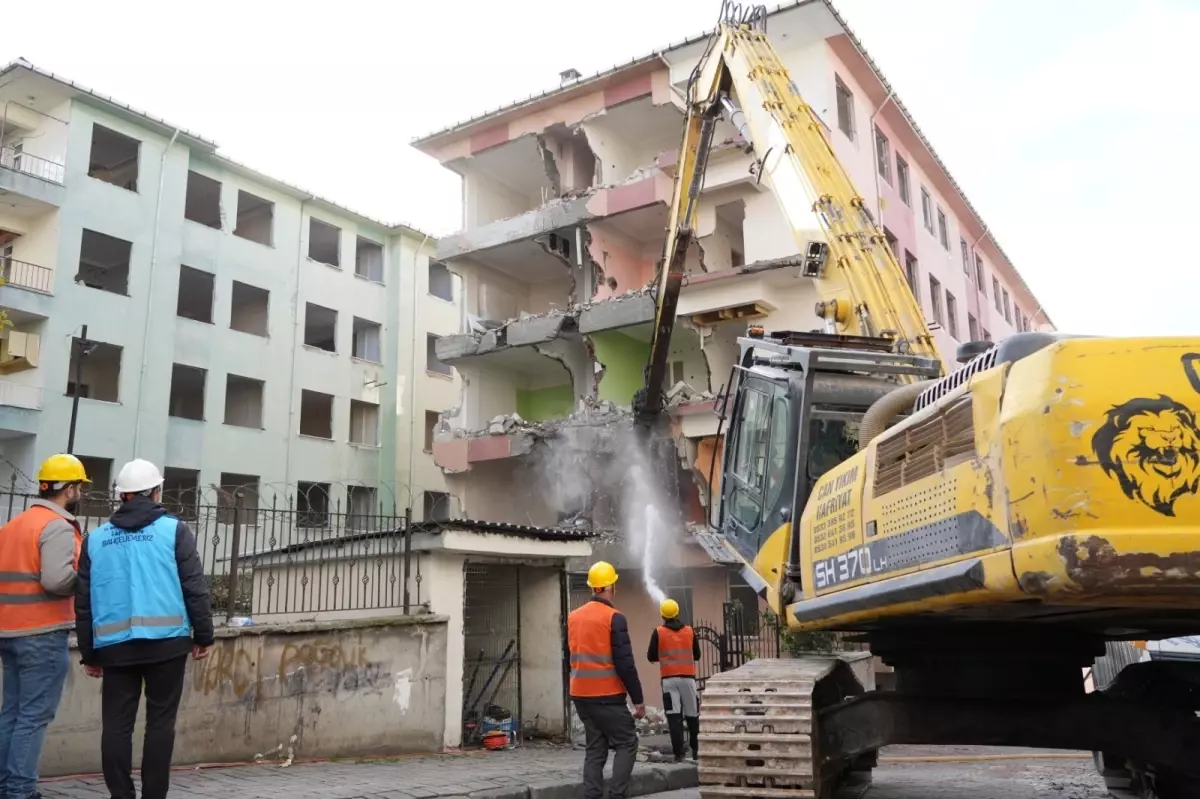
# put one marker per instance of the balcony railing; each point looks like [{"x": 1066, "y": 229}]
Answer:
[
  {"x": 19, "y": 395},
  {"x": 21, "y": 274},
  {"x": 27, "y": 164}
]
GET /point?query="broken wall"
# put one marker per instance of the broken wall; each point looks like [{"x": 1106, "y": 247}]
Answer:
[
  {"x": 622, "y": 263},
  {"x": 623, "y": 359},
  {"x": 766, "y": 231},
  {"x": 487, "y": 200},
  {"x": 495, "y": 295},
  {"x": 687, "y": 359},
  {"x": 620, "y": 155},
  {"x": 509, "y": 490},
  {"x": 541, "y": 404}
]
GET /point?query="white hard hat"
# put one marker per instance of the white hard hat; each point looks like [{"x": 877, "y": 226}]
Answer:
[{"x": 137, "y": 476}]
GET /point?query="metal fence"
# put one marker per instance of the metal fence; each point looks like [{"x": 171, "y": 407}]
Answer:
[
  {"x": 16, "y": 159},
  {"x": 491, "y": 651},
  {"x": 288, "y": 560},
  {"x": 744, "y": 634},
  {"x": 740, "y": 636}
]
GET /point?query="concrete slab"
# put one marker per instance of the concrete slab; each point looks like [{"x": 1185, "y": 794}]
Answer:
[
  {"x": 619, "y": 312},
  {"x": 559, "y": 214},
  {"x": 537, "y": 329},
  {"x": 527, "y": 332},
  {"x": 451, "y": 348}
]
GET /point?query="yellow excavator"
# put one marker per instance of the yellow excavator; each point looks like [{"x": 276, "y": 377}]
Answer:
[{"x": 985, "y": 528}]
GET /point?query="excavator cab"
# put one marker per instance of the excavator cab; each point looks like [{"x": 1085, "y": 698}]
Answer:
[{"x": 795, "y": 403}]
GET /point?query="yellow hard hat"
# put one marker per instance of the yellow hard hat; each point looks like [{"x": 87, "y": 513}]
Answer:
[
  {"x": 62, "y": 468},
  {"x": 669, "y": 608},
  {"x": 601, "y": 575}
]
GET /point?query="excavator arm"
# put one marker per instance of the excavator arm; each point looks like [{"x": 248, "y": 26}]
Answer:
[{"x": 861, "y": 285}]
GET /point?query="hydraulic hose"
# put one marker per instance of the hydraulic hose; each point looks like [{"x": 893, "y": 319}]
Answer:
[{"x": 885, "y": 409}]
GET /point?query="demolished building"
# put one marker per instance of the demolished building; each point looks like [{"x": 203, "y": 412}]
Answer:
[{"x": 566, "y": 200}]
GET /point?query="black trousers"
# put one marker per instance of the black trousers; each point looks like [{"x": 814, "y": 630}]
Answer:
[
  {"x": 120, "y": 696},
  {"x": 607, "y": 726}
]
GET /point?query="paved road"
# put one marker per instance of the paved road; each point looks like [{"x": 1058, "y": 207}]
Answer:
[
  {"x": 485, "y": 774},
  {"x": 981, "y": 779}
]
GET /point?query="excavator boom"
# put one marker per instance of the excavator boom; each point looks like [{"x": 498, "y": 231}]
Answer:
[{"x": 861, "y": 285}]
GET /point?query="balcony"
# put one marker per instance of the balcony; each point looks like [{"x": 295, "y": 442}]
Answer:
[
  {"x": 24, "y": 275},
  {"x": 31, "y": 184},
  {"x": 19, "y": 409},
  {"x": 20, "y": 395}
]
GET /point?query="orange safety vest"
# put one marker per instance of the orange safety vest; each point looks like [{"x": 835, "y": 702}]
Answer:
[
  {"x": 675, "y": 653},
  {"x": 589, "y": 637},
  {"x": 24, "y": 604}
]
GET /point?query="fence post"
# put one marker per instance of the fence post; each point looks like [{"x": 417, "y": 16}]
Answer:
[
  {"x": 12, "y": 494},
  {"x": 407, "y": 553},
  {"x": 235, "y": 547}
]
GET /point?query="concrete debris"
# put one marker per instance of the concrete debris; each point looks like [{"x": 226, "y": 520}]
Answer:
[
  {"x": 592, "y": 413},
  {"x": 682, "y": 393},
  {"x": 653, "y": 723},
  {"x": 502, "y": 425}
]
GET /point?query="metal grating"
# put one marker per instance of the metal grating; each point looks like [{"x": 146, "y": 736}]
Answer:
[
  {"x": 920, "y": 508},
  {"x": 492, "y": 649},
  {"x": 925, "y": 448},
  {"x": 959, "y": 377}
]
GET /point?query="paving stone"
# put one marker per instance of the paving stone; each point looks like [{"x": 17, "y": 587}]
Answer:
[
  {"x": 486, "y": 775},
  {"x": 510, "y": 792},
  {"x": 556, "y": 789},
  {"x": 679, "y": 775},
  {"x": 645, "y": 781}
]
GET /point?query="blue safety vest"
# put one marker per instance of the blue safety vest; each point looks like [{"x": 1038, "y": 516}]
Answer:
[{"x": 135, "y": 586}]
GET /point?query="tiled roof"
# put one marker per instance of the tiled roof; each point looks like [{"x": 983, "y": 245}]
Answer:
[
  {"x": 504, "y": 528},
  {"x": 438, "y": 527}
]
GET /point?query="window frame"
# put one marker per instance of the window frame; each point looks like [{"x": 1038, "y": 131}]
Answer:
[
  {"x": 883, "y": 156},
  {"x": 903, "y": 181},
  {"x": 935, "y": 301}
]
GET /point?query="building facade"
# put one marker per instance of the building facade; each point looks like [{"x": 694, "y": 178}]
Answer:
[
  {"x": 243, "y": 333},
  {"x": 565, "y": 201}
]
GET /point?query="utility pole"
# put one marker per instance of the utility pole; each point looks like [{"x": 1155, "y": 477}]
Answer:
[{"x": 83, "y": 348}]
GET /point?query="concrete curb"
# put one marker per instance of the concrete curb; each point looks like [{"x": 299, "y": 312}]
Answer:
[{"x": 648, "y": 778}]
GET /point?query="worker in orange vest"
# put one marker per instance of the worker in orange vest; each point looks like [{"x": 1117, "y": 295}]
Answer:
[
  {"x": 603, "y": 673},
  {"x": 675, "y": 648},
  {"x": 39, "y": 555}
]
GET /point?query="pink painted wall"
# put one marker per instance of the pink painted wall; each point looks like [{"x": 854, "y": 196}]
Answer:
[
  {"x": 622, "y": 260},
  {"x": 905, "y": 222}
]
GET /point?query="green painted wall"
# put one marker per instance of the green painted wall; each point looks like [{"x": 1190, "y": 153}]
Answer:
[
  {"x": 540, "y": 404},
  {"x": 624, "y": 360}
]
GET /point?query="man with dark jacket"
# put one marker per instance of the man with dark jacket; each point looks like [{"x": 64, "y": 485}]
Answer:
[
  {"x": 603, "y": 673},
  {"x": 675, "y": 648},
  {"x": 141, "y": 606}
]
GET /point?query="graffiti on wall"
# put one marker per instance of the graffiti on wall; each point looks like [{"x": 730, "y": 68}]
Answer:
[{"x": 240, "y": 669}]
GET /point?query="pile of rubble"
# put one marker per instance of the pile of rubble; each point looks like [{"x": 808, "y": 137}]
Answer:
[{"x": 591, "y": 413}]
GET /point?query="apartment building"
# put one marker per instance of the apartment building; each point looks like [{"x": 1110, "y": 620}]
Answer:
[
  {"x": 240, "y": 331},
  {"x": 565, "y": 204}
]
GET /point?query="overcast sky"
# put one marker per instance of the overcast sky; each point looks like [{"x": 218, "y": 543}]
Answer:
[{"x": 1071, "y": 124}]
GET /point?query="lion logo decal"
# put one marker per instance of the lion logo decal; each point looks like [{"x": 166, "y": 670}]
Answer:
[{"x": 1152, "y": 448}]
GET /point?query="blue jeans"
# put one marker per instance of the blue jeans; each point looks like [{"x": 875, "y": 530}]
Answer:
[{"x": 35, "y": 668}]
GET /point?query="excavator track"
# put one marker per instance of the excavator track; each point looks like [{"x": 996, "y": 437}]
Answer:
[{"x": 758, "y": 729}]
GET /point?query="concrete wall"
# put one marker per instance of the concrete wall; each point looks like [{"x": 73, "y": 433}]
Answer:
[
  {"x": 541, "y": 648},
  {"x": 315, "y": 690}
]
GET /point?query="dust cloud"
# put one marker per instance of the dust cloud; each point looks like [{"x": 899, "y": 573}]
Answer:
[{"x": 606, "y": 475}]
